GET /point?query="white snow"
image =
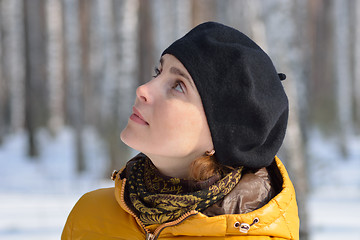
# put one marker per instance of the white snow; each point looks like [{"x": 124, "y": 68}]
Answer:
[
  {"x": 36, "y": 195},
  {"x": 334, "y": 201}
]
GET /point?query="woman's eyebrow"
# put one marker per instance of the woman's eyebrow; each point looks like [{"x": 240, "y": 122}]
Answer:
[{"x": 176, "y": 71}]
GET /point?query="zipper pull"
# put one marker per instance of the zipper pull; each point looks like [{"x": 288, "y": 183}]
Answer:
[
  {"x": 113, "y": 175},
  {"x": 150, "y": 236},
  {"x": 245, "y": 227}
]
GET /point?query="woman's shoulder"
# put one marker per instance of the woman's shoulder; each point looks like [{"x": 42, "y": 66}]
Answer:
[
  {"x": 97, "y": 215},
  {"x": 93, "y": 205},
  {"x": 98, "y": 193},
  {"x": 91, "y": 200}
]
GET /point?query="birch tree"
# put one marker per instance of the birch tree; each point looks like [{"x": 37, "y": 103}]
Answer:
[
  {"x": 12, "y": 15},
  {"x": 127, "y": 39},
  {"x": 109, "y": 78},
  {"x": 3, "y": 90},
  {"x": 162, "y": 30},
  {"x": 342, "y": 71},
  {"x": 178, "y": 14},
  {"x": 109, "y": 64},
  {"x": 55, "y": 78},
  {"x": 96, "y": 60},
  {"x": 241, "y": 15},
  {"x": 74, "y": 77},
  {"x": 85, "y": 41},
  {"x": 182, "y": 23},
  {"x": 179, "y": 21},
  {"x": 257, "y": 26},
  {"x": 286, "y": 53},
  {"x": 356, "y": 88}
]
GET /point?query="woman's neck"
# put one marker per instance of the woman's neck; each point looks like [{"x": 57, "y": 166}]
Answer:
[{"x": 172, "y": 166}]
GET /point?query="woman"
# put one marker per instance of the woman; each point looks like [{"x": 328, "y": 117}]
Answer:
[{"x": 208, "y": 126}]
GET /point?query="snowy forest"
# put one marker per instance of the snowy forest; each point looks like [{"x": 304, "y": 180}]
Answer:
[{"x": 68, "y": 74}]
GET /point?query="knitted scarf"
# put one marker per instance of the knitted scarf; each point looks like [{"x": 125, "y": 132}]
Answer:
[{"x": 159, "y": 199}]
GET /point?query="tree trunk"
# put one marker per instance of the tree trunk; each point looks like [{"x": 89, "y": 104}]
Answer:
[
  {"x": 286, "y": 52},
  {"x": 85, "y": 20},
  {"x": 321, "y": 89},
  {"x": 127, "y": 33},
  {"x": 34, "y": 77},
  {"x": 12, "y": 11},
  {"x": 55, "y": 68},
  {"x": 74, "y": 77},
  {"x": 163, "y": 30},
  {"x": 146, "y": 41},
  {"x": 203, "y": 10},
  {"x": 110, "y": 77},
  {"x": 183, "y": 21},
  {"x": 257, "y": 26},
  {"x": 356, "y": 88},
  {"x": 110, "y": 68},
  {"x": 342, "y": 68},
  {"x": 3, "y": 88},
  {"x": 96, "y": 62},
  {"x": 179, "y": 20}
]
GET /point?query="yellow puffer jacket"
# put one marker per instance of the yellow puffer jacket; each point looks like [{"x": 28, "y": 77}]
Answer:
[{"x": 101, "y": 214}]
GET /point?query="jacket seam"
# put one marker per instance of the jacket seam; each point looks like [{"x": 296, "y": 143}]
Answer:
[{"x": 282, "y": 215}]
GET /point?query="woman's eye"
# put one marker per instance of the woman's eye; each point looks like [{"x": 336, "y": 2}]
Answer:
[
  {"x": 157, "y": 72},
  {"x": 178, "y": 87}
]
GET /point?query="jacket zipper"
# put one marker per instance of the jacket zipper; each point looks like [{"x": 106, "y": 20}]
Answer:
[
  {"x": 155, "y": 235},
  {"x": 147, "y": 232},
  {"x": 173, "y": 223}
]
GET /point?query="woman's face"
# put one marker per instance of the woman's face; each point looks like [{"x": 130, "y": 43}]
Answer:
[{"x": 168, "y": 123}]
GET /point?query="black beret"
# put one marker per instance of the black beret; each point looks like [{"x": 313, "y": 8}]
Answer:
[{"x": 243, "y": 98}]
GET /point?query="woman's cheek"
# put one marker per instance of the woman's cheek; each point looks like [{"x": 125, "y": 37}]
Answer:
[{"x": 187, "y": 125}]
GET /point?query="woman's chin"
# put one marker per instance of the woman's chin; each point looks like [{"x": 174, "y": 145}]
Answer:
[
  {"x": 125, "y": 136},
  {"x": 130, "y": 139}
]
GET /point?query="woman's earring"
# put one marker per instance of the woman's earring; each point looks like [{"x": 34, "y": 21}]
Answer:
[{"x": 212, "y": 152}]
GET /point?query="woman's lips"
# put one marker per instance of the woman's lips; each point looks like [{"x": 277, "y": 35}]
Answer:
[{"x": 136, "y": 117}]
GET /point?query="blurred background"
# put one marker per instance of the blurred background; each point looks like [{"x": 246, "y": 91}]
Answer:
[{"x": 68, "y": 74}]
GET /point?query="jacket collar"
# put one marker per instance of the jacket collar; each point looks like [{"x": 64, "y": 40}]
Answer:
[{"x": 279, "y": 217}]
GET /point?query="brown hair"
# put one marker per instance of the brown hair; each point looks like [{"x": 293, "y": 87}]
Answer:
[{"x": 205, "y": 167}]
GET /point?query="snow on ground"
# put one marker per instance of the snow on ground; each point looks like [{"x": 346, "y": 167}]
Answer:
[
  {"x": 36, "y": 195},
  {"x": 334, "y": 202}
]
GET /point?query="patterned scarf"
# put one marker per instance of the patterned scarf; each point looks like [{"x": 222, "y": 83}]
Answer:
[{"x": 159, "y": 199}]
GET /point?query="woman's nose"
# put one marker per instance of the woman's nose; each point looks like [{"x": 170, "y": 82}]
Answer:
[{"x": 143, "y": 93}]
